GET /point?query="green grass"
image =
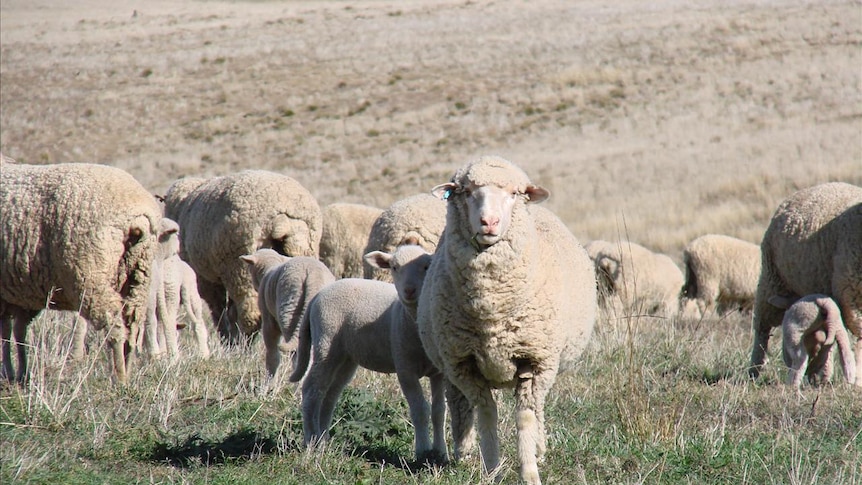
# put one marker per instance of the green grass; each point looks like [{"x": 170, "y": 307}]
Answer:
[{"x": 652, "y": 401}]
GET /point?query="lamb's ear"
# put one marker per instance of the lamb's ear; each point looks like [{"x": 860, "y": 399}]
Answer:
[
  {"x": 780, "y": 302},
  {"x": 536, "y": 193},
  {"x": 249, "y": 258},
  {"x": 444, "y": 191},
  {"x": 378, "y": 259}
]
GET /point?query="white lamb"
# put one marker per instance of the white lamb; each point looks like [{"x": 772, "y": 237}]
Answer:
[
  {"x": 285, "y": 286},
  {"x": 510, "y": 300},
  {"x": 370, "y": 323},
  {"x": 810, "y": 329},
  {"x": 173, "y": 289}
]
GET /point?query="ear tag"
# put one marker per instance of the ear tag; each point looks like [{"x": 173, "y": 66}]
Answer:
[{"x": 447, "y": 194}]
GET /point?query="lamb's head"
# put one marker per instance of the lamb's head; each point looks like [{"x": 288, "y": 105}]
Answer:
[
  {"x": 408, "y": 264},
  {"x": 260, "y": 262},
  {"x": 169, "y": 240},
  {"x": 486, "y": 192}
]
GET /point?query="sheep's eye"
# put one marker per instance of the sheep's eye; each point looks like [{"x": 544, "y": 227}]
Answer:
[{"x": 468, "y": 192}]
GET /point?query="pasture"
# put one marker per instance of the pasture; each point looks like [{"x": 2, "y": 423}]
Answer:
[{"x": 652, "y": 121}]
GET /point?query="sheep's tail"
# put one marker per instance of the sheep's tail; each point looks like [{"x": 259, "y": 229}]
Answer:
[
  {"x": 835, "y": 331},
  {"x": 303, "y": 350}
]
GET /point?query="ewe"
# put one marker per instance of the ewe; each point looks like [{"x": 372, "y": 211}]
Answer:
[
  {"x": 509, "y": 300},
  {"x": 812, "y": 245},
  {"x": 76, "y": 237},
  {"x": 720, "y": 274}
]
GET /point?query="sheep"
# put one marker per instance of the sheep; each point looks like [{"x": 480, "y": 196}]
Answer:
[
  {"x": 345, "y": 234},
  {"x": 721, "y": 273},
  {"x": 285, "y": 286},
  {"x": 173, "y": 288},
  {"x": 226, "y": 217},
  {"x": 810, "y": 327},
  {"x": 379, "y": 334},
  {"x": 813, "y": 244},
  {"x": 419, "y": 217},
  {"x": 509, "y": 301},
  {"x": 639, "y": 277},
  {"x": 78, "y": 237}
]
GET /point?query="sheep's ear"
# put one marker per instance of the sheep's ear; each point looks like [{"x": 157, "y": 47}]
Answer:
[
  {"x": 378, "y": 259},
  {"x": 444, "y": 191},
  {"x": 249, "y": 258},
  {"x": 781, "y": 302},
  {"x": 536, "y": 193}
]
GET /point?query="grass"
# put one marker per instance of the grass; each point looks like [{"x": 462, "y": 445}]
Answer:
[{"x": 653, "y": 401}]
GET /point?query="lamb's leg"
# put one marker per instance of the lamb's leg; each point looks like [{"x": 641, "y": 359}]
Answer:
[
  {"x": 438, "y": 415},
  {"x": 419, "y": 412},
  {"x": 194, "y": 311},
  {"x": 341, "y": 376},
  {"x": 271, "y": 333}
]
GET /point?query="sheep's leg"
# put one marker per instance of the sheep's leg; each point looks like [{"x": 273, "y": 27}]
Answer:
[
  {"x": 765, "y": 318},
  {"x": 314, "y": 388},
  {"x": 271, "y": 333},
  {"x": 79, "y": 337},
  {"x": 438, "y": 415},
  {"x": 419, "y": 412},
  {"x": 168, "y": 320},
  {"x": 117, "y": 341},
  {"x": 461, "y": 412},
  {"x": 20, "y": 331},
  {"x": 151, "y": 330},
  {"x": 489, "y": 442},
  {"x": 530, "y": 392},
  {"x": 6, "y": 322}
]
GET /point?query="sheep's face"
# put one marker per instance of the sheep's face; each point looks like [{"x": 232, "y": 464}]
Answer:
[{"x": 408, "y": 265}]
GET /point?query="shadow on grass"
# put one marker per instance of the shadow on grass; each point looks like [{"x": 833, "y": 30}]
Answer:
[
  {"x": 386, "y": 456},
  {"x": 241, "y": 445}
]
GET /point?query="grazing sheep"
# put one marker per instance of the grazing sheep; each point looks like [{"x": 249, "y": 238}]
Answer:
[
  {"x": 226, "y": 217},
  {"x": 76, "y": 237},
  {"x": 509, "y": 300},
  {"x": 173, "y": 288},
  {"x": 721, "y": 273},
  {"x": 379, "y": 334},
  {"x": 419, "y": 218},
  {"x": 642, "y": 279},
  {"x": 285, "y": 286},
  {"x": 345, "y": 234},
  {"x": 812, "y": 245},
  {"x": 810, "y": 327}
]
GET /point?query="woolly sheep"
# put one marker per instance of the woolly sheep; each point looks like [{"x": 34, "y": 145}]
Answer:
[
  {"x": 640, "y": 278},
  {"x": 173, "y": 288},
  {"x": 78, "y": 237},
  {"x": 813, "y": 245},
  {"x": 285, "y": 287},
  {"x": 226, "y": 217},
  {"x": 509, "y": 300},
  {"x": 345, "y": 234},
  {"x": 810, "y": 328},
  {"x": 721, "y": 273},
  {"x": 419, "y": 218},
  {"x": 379, "y": 334}
]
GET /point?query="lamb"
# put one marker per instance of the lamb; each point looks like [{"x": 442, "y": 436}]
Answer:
[
  {"x": 78, "y": 237},
  {"x": 419, "y": 218},
  {"x": 226, "y": 217},
  {"x": 285, "y": 287},
  {"x": 346, "y": 228},
  {"x": 640, "y": 278},
  {"x": 173, "y": 288},
  {"x": 810, "y": 327},
  {"x": 813, "y": 245},
  {"x": 721, "y": 273},
  {"x": 509, "y": 301},
  {"x": 380, "y": 335}
]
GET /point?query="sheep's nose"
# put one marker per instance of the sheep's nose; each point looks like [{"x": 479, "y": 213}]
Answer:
[
  {"x": 490, "y": 221},
  {"x": 410, "y": 293}
]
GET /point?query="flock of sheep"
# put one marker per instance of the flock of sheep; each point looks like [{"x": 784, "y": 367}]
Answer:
[{"x": 474, "y": 286}]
